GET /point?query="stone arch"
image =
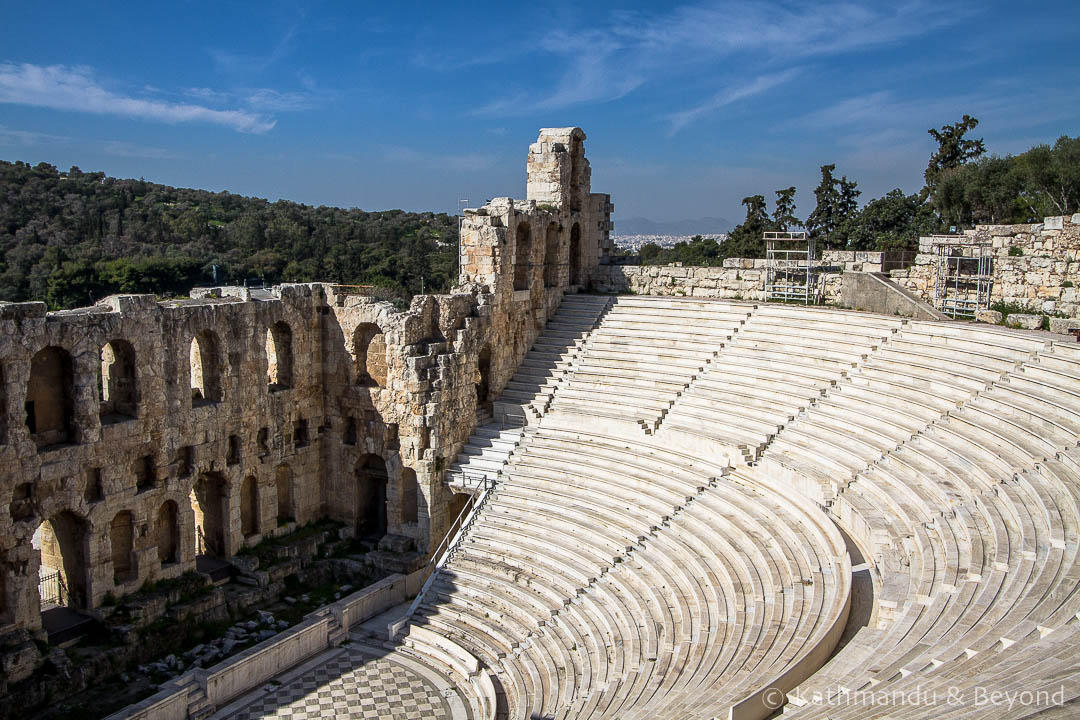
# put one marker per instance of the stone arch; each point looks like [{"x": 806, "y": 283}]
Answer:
[
  {"x": 249, "y": 506},
  {"x": 50, "y": 403},
  {"x": 577, "y": 171},
  {"x": 22, "y": 502},
  {"x": 371, "y": 479},
  {"x": 279, "y": 356},
  {"x": 523, "y": 257},
  {"x": 117, "y": 394},
  {"x": 63, "y": 542},
  {"x": 551, "y": 256},
  {"x": 483, "y": 376},
  {"x": 575, "y": 254},
  {"x": 3, "y": 408},
  {"x": 167, "y": 530},
  {"x": 206, "y": 362},
  {"x": 122, "y": 546},
  {"x": 410, "y": 494},
  {"x": 209, "y": 500},
  {"x": 284, "y": 485},
  {"x": 369, "y": 348},
  {"x": 5, "y": 614}
]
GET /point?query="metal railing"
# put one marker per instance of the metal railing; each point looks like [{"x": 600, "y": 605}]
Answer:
[
  {"x": 445, "y": 551},
  {"x": 52, "y": 590},
  {"x": 467, "y": 478}
]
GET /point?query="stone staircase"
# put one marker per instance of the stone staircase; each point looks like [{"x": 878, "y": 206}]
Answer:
[
  {"x": 483, "y": 457},
  {"x": 550, "y": 361}
]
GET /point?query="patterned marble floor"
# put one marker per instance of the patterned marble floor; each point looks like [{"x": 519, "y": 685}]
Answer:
[{"x": 351, "y": 685}]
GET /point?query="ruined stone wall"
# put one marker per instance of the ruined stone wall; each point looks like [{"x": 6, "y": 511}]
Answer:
[
  {"x": 113, "y": 481},
  {"x": 738, "y": 279},
  {"x": 136, "y": 434},
  {"x": 1045, "y": 276}
]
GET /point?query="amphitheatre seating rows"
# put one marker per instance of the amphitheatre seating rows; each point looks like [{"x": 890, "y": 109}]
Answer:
[
  {"x": 1026, "y": 512},
  {"x": 593, "y": 581},
  {"x": 645, "y": 352},
  {"x": 624, "y": 575},
  {"x": 772, "y": 370},
  {"x": 553, "y": 353},
  {"x": 844, "y": 431}
]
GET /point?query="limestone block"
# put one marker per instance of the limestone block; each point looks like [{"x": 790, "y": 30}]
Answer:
[
  {"x": 988, "y": 316},
  {"x": 1056, "y": 222},
  {"x": 1064, "y": 325},
  {"x": 1075, "y": 219},
  {"x": 1024, "y": 321}
]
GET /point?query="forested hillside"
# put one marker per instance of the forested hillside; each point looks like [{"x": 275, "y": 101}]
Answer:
[{"x": 72, "y": 238}]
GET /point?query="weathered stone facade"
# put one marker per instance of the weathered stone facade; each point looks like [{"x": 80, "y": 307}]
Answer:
[
  {"x": 136, "y": 434},
  {"x": 1043, "y": 271},
  {"x": 738, "y": 279}
]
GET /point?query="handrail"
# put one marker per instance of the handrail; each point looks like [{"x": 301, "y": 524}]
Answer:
[{"x": 444, "y": 551}]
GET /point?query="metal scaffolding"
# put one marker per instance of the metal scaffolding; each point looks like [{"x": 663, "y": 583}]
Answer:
[
  {"x": 791, "y": 267},
  {"x": 965, "y": 275}
]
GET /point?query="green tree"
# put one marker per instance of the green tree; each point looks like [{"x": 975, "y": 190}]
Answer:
[
  {"x": 892, "y": 222},
  {"x": 1053, "y": 174},
  {"x": 747, "y": 238},
  {"x": 823, "y": 218},
  {"x": 784, "y": 213},
  {"x": 953, "y": 149}
]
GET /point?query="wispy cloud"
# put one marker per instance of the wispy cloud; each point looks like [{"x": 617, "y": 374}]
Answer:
[
  {"x": 769, "y": 40},
  {"x": 270, "y": 100},
  {"x": 238, "y": 63},
  {"x": 11, "y": 136},
  {"x": 60, "y": 87},
  {"x": 727, "y": 96},
  {"x": 466, "y": 162},
  {"x": 121, "y": 148}
]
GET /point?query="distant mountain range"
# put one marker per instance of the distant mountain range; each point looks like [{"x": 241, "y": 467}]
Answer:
[{"x": 645, "y": 226}]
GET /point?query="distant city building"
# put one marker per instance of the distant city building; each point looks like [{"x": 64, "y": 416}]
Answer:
[{"x": 635, "y": 242}]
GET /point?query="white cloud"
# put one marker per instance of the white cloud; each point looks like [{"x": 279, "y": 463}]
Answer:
[
  {"x": 276, "y": 101},
  {"x": 767, "y": 39},
  {"x": 731, "y": 95},
  {"x": 469, "y": 162},
  {"x": 74, "y": 89},
  {"x": 11, "y": 136},
  {"x": 121, "y": 148}
]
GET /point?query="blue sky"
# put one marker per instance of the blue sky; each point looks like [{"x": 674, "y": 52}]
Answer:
[{"x": 688, "y": 107}]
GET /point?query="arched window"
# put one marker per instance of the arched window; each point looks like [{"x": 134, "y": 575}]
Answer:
[
  {"x": 3, "y": 408},
  {"x": 410, "y": 492},
  {"x": 551, "y": 256},
  {"x": 369, "y": 348},
  {"x": 575, "y": 254},
  {"x": 49, "y": 400},
  {"x": 283, "y": 483},
  {"x": 279, "y": 359},
  {"x": 577, "y": 174},
  {"x": 523, "y": 257},
  {"x": 206, "y": 365},
  {"x": 117, "y": 392},
  {"x": 209, "y": 500},
  {"x": 371, "y": 497},
  {"x": 168, "y": 533},
  {"x": 483, "y": 376},
  {"x": 249, "y": 506},
  {"x": 122, "y": 540},
  {"x": 62, "y": 542}
]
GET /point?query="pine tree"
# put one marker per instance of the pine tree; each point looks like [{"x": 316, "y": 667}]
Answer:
[{"x": 784, "y": 214}]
